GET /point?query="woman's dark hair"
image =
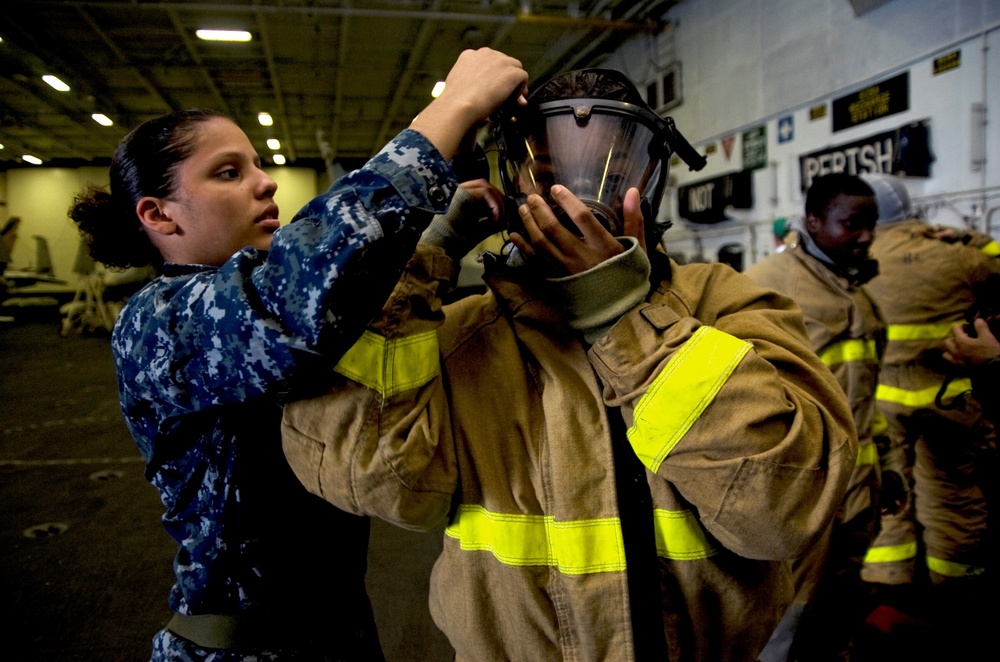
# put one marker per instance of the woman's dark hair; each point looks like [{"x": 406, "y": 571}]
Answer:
[{"x": 143, "y": 165}]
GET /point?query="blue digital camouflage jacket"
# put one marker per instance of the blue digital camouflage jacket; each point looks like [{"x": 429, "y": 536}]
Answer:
[{"x": 206, "y": 356}]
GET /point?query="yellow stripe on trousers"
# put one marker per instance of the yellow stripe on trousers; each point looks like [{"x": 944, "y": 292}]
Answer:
[
  {"x": 919, "y": 331},
  {"x": 849, "y": 350},
  {"x": 922, "y": 397}
]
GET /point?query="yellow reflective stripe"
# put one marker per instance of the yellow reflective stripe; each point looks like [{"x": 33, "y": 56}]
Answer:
[
  {"x": 919, "y": 331},
  {"x": 991, "y": 249},
  {"x": 952, "y": 569},
  {"x": 391, "y": 366},
  {"x": 923, "y": 397},
  {"x": 575, "y": 548},
  {"x": 679, "y": 536},
  {"x": 682, "y": 391},
  {"x": 892, "y": 553},
  {"x": 880, "y": 425},
  {"x": 867, "y": 454},
  {"x": 850, "y": 350}
]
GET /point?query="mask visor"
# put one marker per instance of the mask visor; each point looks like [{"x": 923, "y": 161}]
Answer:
[{"x": 598, "y": 150}]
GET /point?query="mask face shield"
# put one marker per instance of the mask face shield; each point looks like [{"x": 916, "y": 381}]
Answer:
[{"x": 598, "y": 149}]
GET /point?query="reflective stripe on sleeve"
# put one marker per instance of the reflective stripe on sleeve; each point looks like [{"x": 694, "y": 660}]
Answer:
[
  {"x": 575, "y": 547},
  {"x": 849, "y": 350},
  {"x": 923, "y": 397},
  {"x": 952, "y": 569},
  {"x": 867, "y": 454},
  {"x": 679, "y": 536},
  {"x": 892, "y": 553},
  {"x": 682, "y": 391},
  {"x": 919, "y": 331},
  {"x": 391, "y": 366}
]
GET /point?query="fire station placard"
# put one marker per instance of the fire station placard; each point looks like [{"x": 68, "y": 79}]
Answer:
[
  {"x": 706, "y": 201},
  {"x": 904, "y": 151},
  {"x": 873, "y": 102}
]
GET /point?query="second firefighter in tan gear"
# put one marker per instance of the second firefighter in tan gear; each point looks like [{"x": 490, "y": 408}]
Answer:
[
  {"x": 926, "y": 284},
  {"x": 823, "y": 269}
]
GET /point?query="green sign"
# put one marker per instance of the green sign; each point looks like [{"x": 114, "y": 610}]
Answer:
[{"x": 755, "y": 148}]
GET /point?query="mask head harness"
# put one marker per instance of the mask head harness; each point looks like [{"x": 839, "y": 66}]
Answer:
[{"x": 590, "y": 131}]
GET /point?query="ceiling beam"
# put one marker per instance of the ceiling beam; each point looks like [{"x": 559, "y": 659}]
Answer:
[
  {"x": 141, "y": 74},
  {"x": 408, "y": 14},
  {"x": 279, "y": 96},
  {"x": 193, "y": 52},
  {"x": 413, "y": 59}
]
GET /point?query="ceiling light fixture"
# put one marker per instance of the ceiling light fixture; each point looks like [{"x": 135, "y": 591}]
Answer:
[
  {"x": 279, "y": 159},
  {"x": 31, "y": 159},
  {"x": 438, "y": 89},
  {"x": 223, "y": 35},
  {"x": 102, "y": 119},
  {"x": 273, "y": 143},
  {"x": 265, "y": 119},
  {"x": 55, "y": 83}
]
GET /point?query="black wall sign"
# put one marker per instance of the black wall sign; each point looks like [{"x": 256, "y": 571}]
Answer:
[
  {"x": 905, "y": 151},
  {"x": 706, "y": 201},
  {"x": 873, "y": 102}
]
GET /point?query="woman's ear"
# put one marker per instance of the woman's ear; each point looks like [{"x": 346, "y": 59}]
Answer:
[{"x": 151, "y": 213}]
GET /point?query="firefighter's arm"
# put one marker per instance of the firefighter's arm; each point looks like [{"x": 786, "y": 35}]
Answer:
[
  {"x": 725, "y": 400},
  {"x": 379, "y": 442}
]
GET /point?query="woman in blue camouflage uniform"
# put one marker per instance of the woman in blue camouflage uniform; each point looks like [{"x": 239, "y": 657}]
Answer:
[{"x": 244, "y": 315}]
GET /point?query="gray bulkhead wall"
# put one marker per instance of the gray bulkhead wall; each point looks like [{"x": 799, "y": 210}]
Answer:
[{"x": 747, "y": 65}]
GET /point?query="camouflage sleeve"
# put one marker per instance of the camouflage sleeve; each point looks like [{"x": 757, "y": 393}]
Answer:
[{"x": 215, "y": 336}]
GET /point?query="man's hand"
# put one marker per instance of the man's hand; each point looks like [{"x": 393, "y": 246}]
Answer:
[
  {"x": 962, "y": 349},
  {"x": 563, "y": 251}
]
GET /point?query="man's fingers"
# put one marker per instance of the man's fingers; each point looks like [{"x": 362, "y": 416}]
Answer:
[
  {"x": 578, "y": 212},
  {"x": 635, "y": 223}
]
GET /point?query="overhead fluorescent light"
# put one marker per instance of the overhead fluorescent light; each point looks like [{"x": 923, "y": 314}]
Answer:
[
  {"x": 101, "y": 119},
  {"x": 438, "y": 89},
  {"x": 223, "y": 35},
  {"x": 279, "y": 159},
  {"x": 265, "y": 119},
  {"x": 31, "y": 159},
  {"x": 273, "y": 143},
  {"x": 55, "y": 83}
]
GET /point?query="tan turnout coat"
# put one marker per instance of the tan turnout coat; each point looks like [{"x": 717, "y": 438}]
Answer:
[{"x": 491, "y": 413}]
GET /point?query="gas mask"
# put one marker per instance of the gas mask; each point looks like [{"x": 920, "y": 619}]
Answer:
[{"x": 597, "y": 148}]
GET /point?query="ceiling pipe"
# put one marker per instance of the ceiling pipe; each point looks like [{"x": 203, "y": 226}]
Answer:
[{"x": 410, "y": 14}]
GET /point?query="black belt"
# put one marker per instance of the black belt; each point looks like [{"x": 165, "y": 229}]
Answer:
[{"x": 215, "y": 630}]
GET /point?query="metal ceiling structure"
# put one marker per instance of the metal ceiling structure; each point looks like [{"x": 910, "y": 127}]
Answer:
[{"x": 340, "y": 78}]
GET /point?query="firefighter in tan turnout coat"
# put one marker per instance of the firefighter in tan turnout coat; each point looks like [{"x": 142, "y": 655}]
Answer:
[
  {"x": 625, "y": 461},
  {"x": 927, "y": 282},
  {"x": 824, "y": 269}
]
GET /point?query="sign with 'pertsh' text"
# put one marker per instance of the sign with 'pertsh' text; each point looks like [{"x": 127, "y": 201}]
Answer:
[{"x": 906, "y": 150}]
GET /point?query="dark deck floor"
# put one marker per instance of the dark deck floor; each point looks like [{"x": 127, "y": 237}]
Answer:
[{"x": 85, "y": 565}]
